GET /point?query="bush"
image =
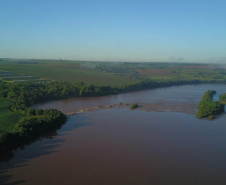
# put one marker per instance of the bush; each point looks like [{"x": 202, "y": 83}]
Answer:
[{"x": 133, "y": 106}]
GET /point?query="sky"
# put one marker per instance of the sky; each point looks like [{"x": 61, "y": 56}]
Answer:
[{"x": 114, "y": 30}]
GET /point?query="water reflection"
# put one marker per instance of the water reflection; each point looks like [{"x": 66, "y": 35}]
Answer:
[{"x": 45, "y": 145}]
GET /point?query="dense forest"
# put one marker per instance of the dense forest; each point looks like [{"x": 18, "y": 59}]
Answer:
[{"x": 209, "y": 108}]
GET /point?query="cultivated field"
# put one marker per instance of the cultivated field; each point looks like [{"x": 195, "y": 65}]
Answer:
[{"x": 107, "y": 73}]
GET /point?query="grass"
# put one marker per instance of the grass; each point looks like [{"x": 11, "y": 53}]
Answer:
[{"x": 8, "y": 119}]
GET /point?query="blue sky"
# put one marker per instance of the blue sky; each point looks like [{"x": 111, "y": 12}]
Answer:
[{"x": 114, "y": 30}]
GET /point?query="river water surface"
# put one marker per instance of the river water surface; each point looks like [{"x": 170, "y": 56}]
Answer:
[{"x": 164, "y": 144}]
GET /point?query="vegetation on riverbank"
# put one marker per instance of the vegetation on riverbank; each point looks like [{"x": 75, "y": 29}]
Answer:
[
  {"x": 209, "y": 108},
  {"x": 31, "y": 128},
  {"x": 20, "y": 124},
  {"x": 26, "y": 94}
]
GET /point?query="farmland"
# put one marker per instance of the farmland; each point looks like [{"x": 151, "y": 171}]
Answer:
[
  {"x": 107, "y": 73},
  {"x": 66, "y": 71}
]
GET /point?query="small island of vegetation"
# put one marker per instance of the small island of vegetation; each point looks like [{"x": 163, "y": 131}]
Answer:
[
  {"x": 209, "y": 108},
  {"x": 133, "y": 106}
]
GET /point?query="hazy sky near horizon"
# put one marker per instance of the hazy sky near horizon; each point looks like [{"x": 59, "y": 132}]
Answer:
[{"x": 114, "y": 30}]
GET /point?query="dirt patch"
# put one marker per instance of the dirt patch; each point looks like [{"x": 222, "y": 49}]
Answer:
[{"x": 155, "y": 72}]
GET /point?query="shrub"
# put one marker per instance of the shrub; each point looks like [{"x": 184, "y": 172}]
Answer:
[{"x": 133, "y": 106}]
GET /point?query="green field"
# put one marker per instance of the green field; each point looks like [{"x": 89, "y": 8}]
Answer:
[
  {"x": 8, "y": 119},
  {"x": 107, "y": 73},
  {"x": 67, "y": 71}
]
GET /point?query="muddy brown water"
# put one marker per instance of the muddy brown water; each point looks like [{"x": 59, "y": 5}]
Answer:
[{"x": 119, "y": 146}]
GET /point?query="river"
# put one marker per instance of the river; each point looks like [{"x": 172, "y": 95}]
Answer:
[{"x": 164, "y": 144}]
